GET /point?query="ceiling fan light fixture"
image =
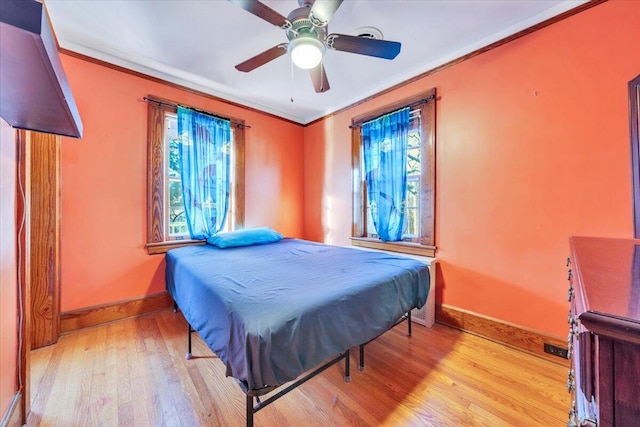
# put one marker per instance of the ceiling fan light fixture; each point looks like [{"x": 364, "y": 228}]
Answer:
[{"x": 306, "y": 52}]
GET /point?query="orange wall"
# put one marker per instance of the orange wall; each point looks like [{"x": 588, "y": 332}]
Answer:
[
  {"x": 532, "y": 147},
  {"x": 8, "y": 268},
  {"x": 104, "y": 183}
]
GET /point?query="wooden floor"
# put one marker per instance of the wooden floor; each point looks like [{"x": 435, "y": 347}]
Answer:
[{"x": 134, "y": 373}]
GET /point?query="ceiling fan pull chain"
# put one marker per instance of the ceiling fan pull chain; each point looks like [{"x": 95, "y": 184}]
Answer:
[
  {"x": 306, "y": 30},
  {"x": 291, "y": 87}
]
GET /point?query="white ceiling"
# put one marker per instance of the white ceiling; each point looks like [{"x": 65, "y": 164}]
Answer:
[{"x": 197, "y": 43}]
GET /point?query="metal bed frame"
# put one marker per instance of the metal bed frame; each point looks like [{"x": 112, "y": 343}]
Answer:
[{"x": 252, "y": 408}]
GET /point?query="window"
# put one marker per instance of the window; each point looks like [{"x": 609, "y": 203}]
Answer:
[
  {"x": 419, "y": 225},
  {"x": 166, "y": 222},
  {"x": 176, "y": 222}
]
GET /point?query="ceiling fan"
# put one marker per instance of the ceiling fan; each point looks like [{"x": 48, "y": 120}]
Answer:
[{"x": 306, "y": 29}]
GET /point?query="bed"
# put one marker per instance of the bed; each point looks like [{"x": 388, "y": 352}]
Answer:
[{"x": 272, "y": 312}]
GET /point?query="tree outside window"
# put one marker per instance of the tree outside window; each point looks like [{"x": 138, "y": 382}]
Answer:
[
  {"x": 418, "y": 230},
  {"x": 166, "y": 221}
]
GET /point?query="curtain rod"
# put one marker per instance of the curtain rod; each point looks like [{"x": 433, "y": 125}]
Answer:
[
  {"x": 413, "y": 104},
  {"x": 170, "y": 104}
]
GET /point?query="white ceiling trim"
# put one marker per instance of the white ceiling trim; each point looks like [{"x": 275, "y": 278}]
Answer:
[
  {"x": 170, "y": 74},
  {"x": 153, "y": 68},
  {"x": 548, "y": 14}
]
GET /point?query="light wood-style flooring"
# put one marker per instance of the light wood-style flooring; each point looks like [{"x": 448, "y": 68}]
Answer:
[{"x": 134, "y": 373}]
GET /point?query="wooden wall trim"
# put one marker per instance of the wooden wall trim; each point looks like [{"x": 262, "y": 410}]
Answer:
[
  {"x": 13, "y": 416},
  {"x": 92, "y": 316},
  {"x": 468, "y": 56},
  {"x": 170, "y": 84},
  {"x": 522, "y": 33},
  {"x": 505, "y": 333},
  {"x": 23, "y": 250},
  {"x": 44, "y": 244},
  {"x": 634, "y": 133}
]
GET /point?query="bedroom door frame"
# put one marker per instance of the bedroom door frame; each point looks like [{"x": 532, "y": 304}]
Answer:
[
  {"x": 634, "y": 133},
  {"x": 38, "y": 249},
  {"x": 42, "y": 223}
]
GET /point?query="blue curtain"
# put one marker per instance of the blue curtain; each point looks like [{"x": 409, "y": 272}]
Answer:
[
  {"x": 204, "y": 146},
  {"x": 384, "y": 142}
]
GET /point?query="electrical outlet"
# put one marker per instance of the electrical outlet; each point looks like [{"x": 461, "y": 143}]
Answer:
[{"x": 556, "y": 351}]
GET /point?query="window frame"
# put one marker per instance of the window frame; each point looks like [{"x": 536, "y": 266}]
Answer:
[
  {"x": 157, "y": 241},
  {"x": 425, "y": 244},
  {"x": 168, "y": 180}
]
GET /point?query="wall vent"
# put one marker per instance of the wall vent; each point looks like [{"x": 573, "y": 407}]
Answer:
[{"x": 419, "y": 315}]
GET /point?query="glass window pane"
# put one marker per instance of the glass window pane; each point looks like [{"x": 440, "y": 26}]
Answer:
[
  {"x": 414, "y": 171},
  {"x": 413, "y": 188},
  {"x": 411, "y": 229},
  {"x": 412, "y": 208},
  {"x": 176, "y": 224},
  {"x": 176, "y": 216},
  {"x": 371, "y": 228}
]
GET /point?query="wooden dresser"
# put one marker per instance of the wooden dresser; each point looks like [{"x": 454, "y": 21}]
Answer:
[{"x": 604, "y": 332}]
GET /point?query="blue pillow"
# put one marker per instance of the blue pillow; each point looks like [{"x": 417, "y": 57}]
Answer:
[{"x": 245, "y": 237}]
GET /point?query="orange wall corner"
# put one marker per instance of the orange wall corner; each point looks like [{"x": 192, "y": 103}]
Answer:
[{"x": 532, "y": 148}]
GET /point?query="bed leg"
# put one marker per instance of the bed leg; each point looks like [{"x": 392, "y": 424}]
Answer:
[
  {"x": 347, "y": 372},
  {"x": 409, "y": 322},
  {"x": 249, "y": 411},
  {"x": 361, "y": 364},
  {"x": 189, "y": 355}
]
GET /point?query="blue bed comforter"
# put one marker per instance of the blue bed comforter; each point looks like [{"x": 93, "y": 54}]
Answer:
[{"x": 273, "y": 311}]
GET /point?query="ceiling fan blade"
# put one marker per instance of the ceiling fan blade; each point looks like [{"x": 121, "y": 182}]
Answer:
[
  {"x": 262, "y": 58},
  {"x": 322, "y": 11},
  {"x": 261, "y": 10},
  {"x": 364, "y": 46},
  {"x": 319, "y": 78}
]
